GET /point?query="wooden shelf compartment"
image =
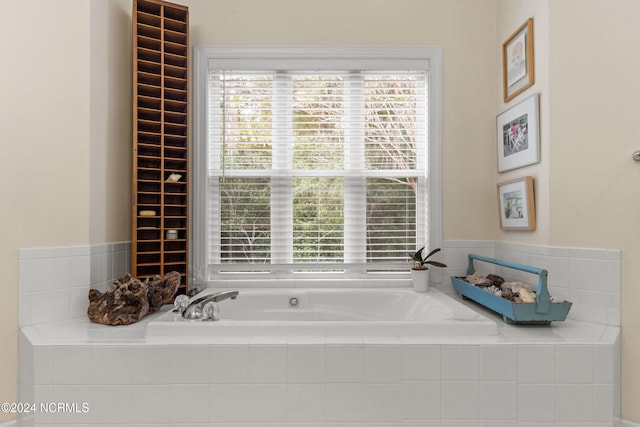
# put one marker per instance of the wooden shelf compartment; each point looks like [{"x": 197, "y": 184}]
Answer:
[
  {"x": 176, "y": 117},
  {"x": 148, "y": 67},
  {"x": 161, "y": 60},
  {"x": 149, "y": 43},
  {"x": 150, "y": 90},
  {"x": 152, "y": 31},
  {"x": 149, "y": 55},
  {"x": 175, "y": 106},
  {"x": 149, "y": 175},
  {"x": 171, "y": 94},
  {"x": 175, "y": 60},
  {"x": 148, "y": 18}
]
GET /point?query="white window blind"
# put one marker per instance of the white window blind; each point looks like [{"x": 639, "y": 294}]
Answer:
[{"x": 315, "y": 169}]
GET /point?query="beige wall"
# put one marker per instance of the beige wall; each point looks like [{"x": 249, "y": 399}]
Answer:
[
  {"x": 44, "y": 116},
  {"x": 510, "y": 16},
  {"x": 110, "y": 119},
  {"x": 464, "y": 28},
  {"x": 595, "y": 185}
]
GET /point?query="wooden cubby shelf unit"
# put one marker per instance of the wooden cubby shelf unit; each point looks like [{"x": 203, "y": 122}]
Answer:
[{"x": 160, "y": 214}]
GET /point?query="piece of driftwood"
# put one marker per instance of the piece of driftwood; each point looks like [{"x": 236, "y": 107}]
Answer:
[
  {"x": 128, "y": 299},
  {"x": 162, "y": 289}
]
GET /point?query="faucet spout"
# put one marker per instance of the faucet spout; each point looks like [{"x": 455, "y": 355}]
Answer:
[
  {"x": 194, "y": 309},
  {"x": 223, "y": 295}
]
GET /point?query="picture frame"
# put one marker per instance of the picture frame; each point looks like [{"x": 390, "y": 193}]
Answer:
[
  {"x": 516, "y": 204},
  {"x": 518, "y": 135},
  {"x": 518, "y": 61}
]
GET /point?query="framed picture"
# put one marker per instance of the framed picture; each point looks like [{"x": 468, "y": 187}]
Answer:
[
  {"x": 517, "y": 208},
  {"x": 517, "y": 61},
  {"x": 518, "y": 135}
]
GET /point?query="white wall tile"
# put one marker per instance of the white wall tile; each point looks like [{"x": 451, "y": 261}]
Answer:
[
  {"x": 105, "y": 398},
  {"x": 105, "y": 263},
  {"x": 421, "y": 399},
  {"x": 536, "y": 364},
  {"x": 149, "y": 364},
  {"x": 51, "y": 274},
  {"x": 267, "y": 363},
  {"x": 49, "y": 306},
  {"x": 189, "y": 403},
  {"x": 229, "y": 364},
  {"x": 51, "y": 252},
  {"x": 460, "y": 400},
  {"x": 382, "y": 402},
  {"x": 536, "y": 402},
  {"x": 344, "y": 363},
  {"x": 305, "y": 363},
  {"x": 460, "y": 362},
  {"x": 305, "y": 402},
  {"x": 535, "y": 424},
  {"x": 190, "y": 364},
  {"x": 152, "y": 404},
  {"x": 267, "y": 402},
  {"x": 119, "y": 265},
  {"x": 576, "y": 424},
  {"x": 79, "y": 271},
  {"x": 497, "y": 423},
  {"x": 25, "y": 303},
  {"x": 112, "y": 364},
  {"x": 460, "y": 423},
  {"x": 604, "y": 402},
  {"x": 589, "y": 274},
  {"x": 228, "y": 402},
  {"x": 498, "y": 400},
  {"x": 574, "y": 364},
  {"x": 76, "y": 395},
  {"x": 26, "y": 375},
  {"x": 45, "y": 393},
  {"x": 574, "y": 402},
  {"x": 78, "y": 301},
  {"x": 420, "y": 362},
  {"x": 72, "y": 365},
  {"x": 42, "y": 365},
  {"x": 382, "y": 363},
  {"x": 25, "y": 275},
  {"x": 498, "y": 362},
  {"x": 421, "y": 423},
  {"x": 604, "y": 363},
  {"x": 344, "y": 402}
]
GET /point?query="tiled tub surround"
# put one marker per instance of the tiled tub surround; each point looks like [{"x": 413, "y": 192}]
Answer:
[
  {"x": 54, "y": 282},
  {"x": 564, "y": 375}
]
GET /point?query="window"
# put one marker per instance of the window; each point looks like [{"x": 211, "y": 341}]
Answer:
[{"x": 315, "y": 160}]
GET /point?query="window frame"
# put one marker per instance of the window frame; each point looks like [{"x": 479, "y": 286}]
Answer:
[{"x": 258, "y": 57}]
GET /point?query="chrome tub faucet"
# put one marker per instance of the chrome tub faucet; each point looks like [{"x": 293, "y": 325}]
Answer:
[{"x": 196, "y": 308}]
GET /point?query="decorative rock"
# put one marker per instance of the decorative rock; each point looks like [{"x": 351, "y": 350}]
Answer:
[{"x": 128, "y": 299}]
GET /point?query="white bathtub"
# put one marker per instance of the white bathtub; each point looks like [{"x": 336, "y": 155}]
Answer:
[{"x": 327, "y": 312}]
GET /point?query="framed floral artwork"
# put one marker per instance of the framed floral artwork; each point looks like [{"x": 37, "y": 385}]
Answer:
[{"x": 517, "y": 61}]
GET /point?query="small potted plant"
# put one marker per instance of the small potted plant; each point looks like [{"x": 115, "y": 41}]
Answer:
[{"x": 420, "y": 269}]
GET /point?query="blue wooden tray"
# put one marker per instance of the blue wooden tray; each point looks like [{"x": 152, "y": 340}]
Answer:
[{"x": 543, "y": 311}]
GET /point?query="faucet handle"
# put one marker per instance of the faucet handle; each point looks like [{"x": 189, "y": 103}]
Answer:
[
  {"x": 180, "y": 303},
  {"x": 211, "y": 311}
]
